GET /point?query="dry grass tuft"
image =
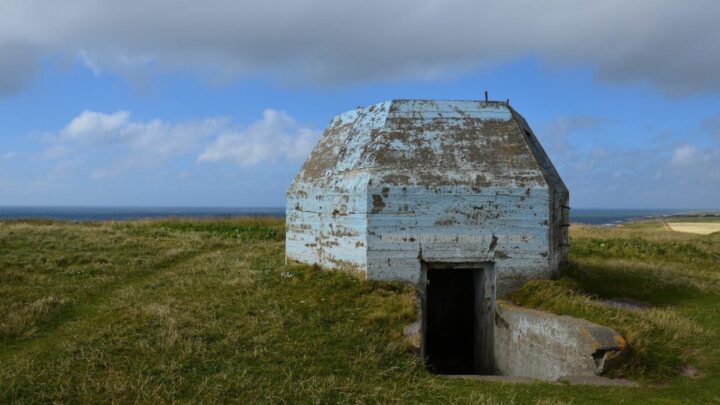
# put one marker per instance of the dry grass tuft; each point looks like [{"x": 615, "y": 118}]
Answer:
[{"x": 22, "y": 320}]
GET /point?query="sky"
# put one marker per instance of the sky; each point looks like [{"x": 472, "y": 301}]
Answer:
[{"x": 218, "y": 102}]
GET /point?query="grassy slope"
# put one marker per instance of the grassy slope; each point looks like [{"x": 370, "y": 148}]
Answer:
[{"x": 207, "y": 310}]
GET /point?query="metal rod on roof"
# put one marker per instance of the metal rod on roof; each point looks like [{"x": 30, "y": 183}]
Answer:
[{"x": 486, "y": 97}]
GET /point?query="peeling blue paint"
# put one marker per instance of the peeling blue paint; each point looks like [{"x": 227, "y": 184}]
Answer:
[{"x": 403, "y": 182}]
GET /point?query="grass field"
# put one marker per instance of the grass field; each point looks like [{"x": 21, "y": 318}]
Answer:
[{"x": 207, "y": 311}]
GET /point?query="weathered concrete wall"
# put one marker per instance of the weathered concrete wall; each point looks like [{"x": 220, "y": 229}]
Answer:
[
  {"x": 558, "y": 193},
  {"x": 541, "y": 345},
  {"x": 328, "y": 229},
  {"x": 406, "y": 181},
  {"x": 507, "y": 226},
  {"x": 326, "y": 207}
]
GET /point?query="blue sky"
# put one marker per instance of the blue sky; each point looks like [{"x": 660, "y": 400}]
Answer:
[{"x": 155, "y": 104}]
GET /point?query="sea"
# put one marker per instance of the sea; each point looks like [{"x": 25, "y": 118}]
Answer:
[{"x": 596, "y": 216}]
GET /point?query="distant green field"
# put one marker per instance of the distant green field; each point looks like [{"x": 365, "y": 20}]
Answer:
[
  {"x": 694, "y": 218},
  {"x": 206, "y": 311}
]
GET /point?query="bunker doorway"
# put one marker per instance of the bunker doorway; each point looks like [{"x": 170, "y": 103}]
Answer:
[{"x": 458, "y": 310}]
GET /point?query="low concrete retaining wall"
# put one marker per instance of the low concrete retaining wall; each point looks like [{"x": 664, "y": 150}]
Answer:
[{"x": 541, "y": 345}]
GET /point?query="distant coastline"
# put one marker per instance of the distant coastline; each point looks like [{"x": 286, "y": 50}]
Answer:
[
  {"x": 594, "y": 216},
  {"x": 613, "y": 217}
]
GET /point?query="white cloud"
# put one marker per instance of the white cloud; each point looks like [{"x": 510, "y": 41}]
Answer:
[
  {"x": 96, "y": 127},
  {"x": 670, "y": 44},
  {"x": 683, "y": 155},
  {"x": 89, "y": 63},
  {"x": 121, "y": 144},
  {"x": 163, "y": 139},
  {"x": 154, "y": 139},
  {"x": 8, "y": 155},
  {"x": 277, "y": 136}
]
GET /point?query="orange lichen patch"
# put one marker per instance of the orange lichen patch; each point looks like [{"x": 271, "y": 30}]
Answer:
[{"x": 622, "y": 343}]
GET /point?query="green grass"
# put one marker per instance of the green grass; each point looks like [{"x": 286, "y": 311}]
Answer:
[
  {"x": 715, "y": 217},
  {"x": 207, "y": 311}
]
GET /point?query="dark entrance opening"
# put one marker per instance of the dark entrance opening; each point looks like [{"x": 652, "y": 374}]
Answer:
[{"x": 457, "y": 320}]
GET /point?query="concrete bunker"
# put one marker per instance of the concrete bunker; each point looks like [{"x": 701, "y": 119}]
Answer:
[
  {"x": 406, "y": 182},
  {"x": 458, "y": 198}
]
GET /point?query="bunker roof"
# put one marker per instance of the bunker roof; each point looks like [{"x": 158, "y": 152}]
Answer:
[{"x": 431, "y": 143}]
